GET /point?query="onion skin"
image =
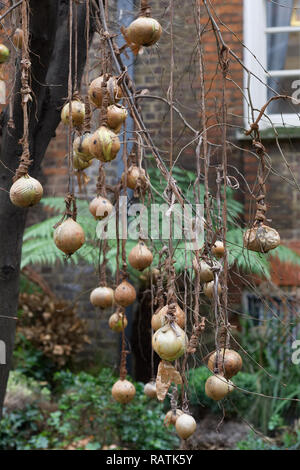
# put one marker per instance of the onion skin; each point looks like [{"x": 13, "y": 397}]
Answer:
[
  {"x": 95, "y": 91},
  {"x": 123, "y": 391},
  {"x": 209, "y": 289},
  {"x": 135, "y": 176},
  {"x": 205, "y": 272},
  {"x": 69, "y": 236},
  {"x": 80, "y": 164},
  {"x": 144, "y": 31},
  {"x": 4, "y": 54},
  {"x": 18, "y": 38},
  {"x": 185, "y": 426},
  {"x": 116, "y": 115},
  {"x": 218, "y": 249},
  {"x": 217, "y": 387},
  {"x": 168, "y": 344},
  {"x": 229, "y": 363},
  {"x": 104, "y": 144},
  {"x": 100, "y": 207},
  {"x": 159, "y": 319},
  {"x": 81, "y": 147},
  {"x": 171, "y": 418},
  {"x": 102, "y": 297},
  {"x": 150, "y": 390},
  {"x": 26, "y": 192},
  {"x": 78, "y": 113},
  {"x": 117, "y": 323},
  {"x": 140, "y": 257},
  {"x": 125, "y": 294},
  {"x": 261, "y": 239}
]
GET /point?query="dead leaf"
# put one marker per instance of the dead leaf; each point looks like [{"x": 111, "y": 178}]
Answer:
[{"x": 166, "y": 374}]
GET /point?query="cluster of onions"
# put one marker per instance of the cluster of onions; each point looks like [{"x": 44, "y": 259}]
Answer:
[
  {"x": 169, "y": 342},
  {"x": 69, "y": 236},
  {"x": 4, "y": 54},
  {"x": 123, "y": 391},
  {"x": 78, "y": 113},
  {"x": 261, "y": 239},
  {"x": 140, "y": 257},
  {"x": 228, "y": 363},
  {"x": 100, "y": 207},
  {"x": 144, "y": 31},
  {"x": 125, "y": 294},
  {"x": 159, "y": 319},
  {"x": 26, "y": 191},
  {"x": 150, "y": 390},
  {"x": 102, "y": 297}
]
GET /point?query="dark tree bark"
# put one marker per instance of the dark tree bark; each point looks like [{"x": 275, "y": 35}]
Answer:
[{"x": 49, "y": 46}]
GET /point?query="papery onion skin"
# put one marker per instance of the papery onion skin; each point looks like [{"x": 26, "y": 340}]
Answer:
[
  {"x": 95, "y": 91},
  {"x": 159, "y": 319},
  {"x": 123, "y": 391},
  {"x": 117, "y": 322},
  {"x": 261, "y": 239},
  {"x": 4, "y": 54},
  {"x": 26, "y": 192},
  {"x": 80, "y": 164},
  {"x": 102, "y": 297},
  {"x": 150, "y": 390},
  {"x": 185, "y": 426},
  {"x": 69, "y": 236},
  {"x": 144, "y": 31},
  {"x": 169, "y": 344},
  {"x": 78, "y": 113},
  {"x": 104, "y": 144},
  {"x": 81, "y": 147},
  {"x": 229, "y": 362},
  {"x": 100, "y": 207},
  {"x": 125, "y": 294},
  {"x": 217, "y": 387},
  {"x": 140, "y": 257}
]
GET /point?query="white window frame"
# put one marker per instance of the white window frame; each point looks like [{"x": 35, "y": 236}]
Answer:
[{"x": 255, "y": 59}]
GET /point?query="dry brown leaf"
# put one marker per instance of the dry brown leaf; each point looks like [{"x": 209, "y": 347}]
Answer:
[{"x": 166, "y": 374}]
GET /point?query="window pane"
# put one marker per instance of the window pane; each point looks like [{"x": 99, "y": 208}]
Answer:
[
  {"x": 285, "y": 86},
  {"x": 285, "y": 14},
  {"x": 283, "y": 51}
]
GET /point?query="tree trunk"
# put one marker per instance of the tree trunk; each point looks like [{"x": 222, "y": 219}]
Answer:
[{"x": 49, "y": 46}]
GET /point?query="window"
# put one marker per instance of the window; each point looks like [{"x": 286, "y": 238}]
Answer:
[{"x": 272, "y": 34}]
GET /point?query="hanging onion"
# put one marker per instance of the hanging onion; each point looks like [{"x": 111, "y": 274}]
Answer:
[
  {"x": 172, "y": 417},
  {"x": 117, "y": 322},
  {"x": 102, "y": 297},
  {"x": 229, "y": 362},
  {"x": 209, "y": 289},
  {"x": 169, "y": 342},
  {"x": 159, "y": 319},
  {"x": 26, "y": 192},
  {"x": 261, "y": 239},
  {"x": 100, "y": 207},
  {"x": 150, "y": 390},
  {"x": 69, "y": 236},
  {"x": 79, "y": 163},
  {"x": 204, "y": 269},
  {"x": 123, "y": 391},
  {"x": 18, "y": 38},
  {"x": 218, "y": 249},
  {"x": 78, "y": 113},
  {"x": 217, "y": 387},
  {"x": 185, "y": 426},
  {"x": 140, "y": 257},
  {"x": 4, "y": 53},
  {"x": 125, "y": 294},
  {"x": 135, "y": 176},
  {"x": 104, "y": 144},
  {"x": 81, "y": 147},
  {"x": 144, "y": 31},
  {"x": 116, "y": 115},
  {"x": 113, "y": 89}
]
